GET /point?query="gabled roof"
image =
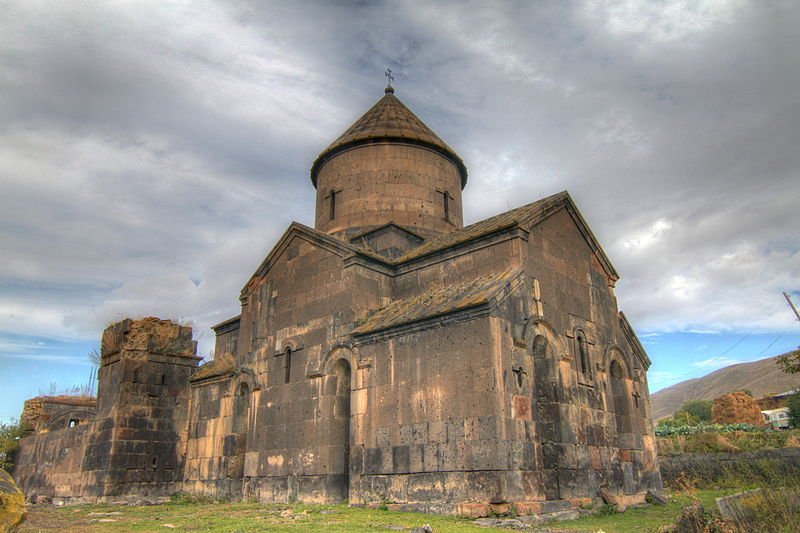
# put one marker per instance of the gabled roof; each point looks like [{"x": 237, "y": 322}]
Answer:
[
  {"x": 388, "y": 120},
  {"x": 528, "y": 215},
  {"x": 382, "y": 228},
  {"x": 438, "y": 301}
]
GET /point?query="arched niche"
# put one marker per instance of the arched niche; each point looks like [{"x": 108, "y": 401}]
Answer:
[
  {"x": 619, "y": 379},
  {"x": 549, "y": 345},
  {"x": 241, "y": 408},
  {"x": 338, "y": 387},
  {"x": 613, "y": 352},
  {"x": 547, "y": 350}
]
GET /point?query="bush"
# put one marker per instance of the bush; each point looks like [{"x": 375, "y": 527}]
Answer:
[
  {"x": 700, "y": 410},
  {"x": 668, "y": 430}
]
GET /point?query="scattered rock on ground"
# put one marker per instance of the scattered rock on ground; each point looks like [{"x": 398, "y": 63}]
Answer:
[
  {"x": 424, "y": 529},
  {"x": 507, "y": 523},
  {"x": 657, "y": 497}
]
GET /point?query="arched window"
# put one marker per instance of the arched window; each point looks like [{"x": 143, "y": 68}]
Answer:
[{"x": 287, "y": 365}]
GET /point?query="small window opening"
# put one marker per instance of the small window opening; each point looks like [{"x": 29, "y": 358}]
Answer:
[
  {"x": 446, "y": 205},
  {"x": 155, "y": 462},
  {"x": 287, "y": 365},
  {"x": 73, "y": 422},
  {"x": 583, "y": 354},
  {"x": 163, "y": 379},
  {"x": 333, "y": 204}
]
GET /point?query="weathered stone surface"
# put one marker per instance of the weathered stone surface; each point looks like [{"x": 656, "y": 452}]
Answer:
[
  {"x": 387, "y": 355},
  {"x": 12, "y": 504}
]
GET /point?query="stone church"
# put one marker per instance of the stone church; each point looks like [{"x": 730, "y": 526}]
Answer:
[{"x": 388, "y": 354}]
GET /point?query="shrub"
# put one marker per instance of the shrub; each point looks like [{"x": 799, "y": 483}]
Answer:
[
  {"x": 767, "y": 510},
  {"x": 793, "y": 403}
]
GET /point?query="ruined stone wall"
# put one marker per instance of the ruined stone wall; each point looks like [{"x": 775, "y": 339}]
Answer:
[
  {"x": 388, "y": 182},
  {"x": 49, "y": 466},
  {"x": 48, "y": 413},
  {"x": 131, "y": 449}
]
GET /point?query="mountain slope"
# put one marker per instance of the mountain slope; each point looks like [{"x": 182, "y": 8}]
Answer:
[{"x": 761, "y": 377}]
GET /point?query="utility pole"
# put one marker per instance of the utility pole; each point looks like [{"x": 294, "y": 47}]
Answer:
[{"x": 791, "y": 304}]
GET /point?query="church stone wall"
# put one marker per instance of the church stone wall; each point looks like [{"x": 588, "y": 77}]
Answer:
[
  {"x": 218, "y": 431},
  {"x": 428, "y": 427},
  {"x": 595, "y": 430}
]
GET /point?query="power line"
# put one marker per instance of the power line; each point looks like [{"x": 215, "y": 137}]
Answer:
[
  {"x": 717, "y": 357},
  {"x": 776, "y": 339}
]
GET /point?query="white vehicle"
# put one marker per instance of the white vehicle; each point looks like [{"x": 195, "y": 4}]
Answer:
[{"x": 777, "y": 418}]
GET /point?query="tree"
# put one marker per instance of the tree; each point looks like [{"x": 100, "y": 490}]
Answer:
[
  {"x": 790, "y": 362},
  {"x": 9, "y": 440},
  {"x": 699, "y": 410},
  {"x": 793, "y": 402}
]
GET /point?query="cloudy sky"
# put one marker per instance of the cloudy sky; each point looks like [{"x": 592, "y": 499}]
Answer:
[{"x": 152, "y": 152}]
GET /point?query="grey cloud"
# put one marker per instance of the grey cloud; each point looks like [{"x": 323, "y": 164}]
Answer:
[{"x": 151, "y": 153}]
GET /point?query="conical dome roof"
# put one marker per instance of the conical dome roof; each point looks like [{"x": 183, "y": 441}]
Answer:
[{"x": 388, "y": 120}]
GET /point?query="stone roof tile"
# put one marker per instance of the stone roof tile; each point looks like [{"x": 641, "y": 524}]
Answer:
[
  {"x": 504, "y": 220},
  {"x": 437, "y": 301},
  {"x": 388, "y": 119}
]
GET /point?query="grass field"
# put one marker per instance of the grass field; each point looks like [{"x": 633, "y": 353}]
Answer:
[{"x": 251, "y": 517}]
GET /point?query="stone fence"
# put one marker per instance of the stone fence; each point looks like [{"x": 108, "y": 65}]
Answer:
[{"x": 714, "y": 469}]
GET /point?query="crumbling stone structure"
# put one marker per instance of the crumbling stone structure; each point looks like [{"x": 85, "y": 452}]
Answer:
[
  {"x": 130, "y": 448},
  {"x": 390, "y": 354}
]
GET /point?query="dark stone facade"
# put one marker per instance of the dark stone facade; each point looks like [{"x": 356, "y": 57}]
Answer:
[{"x": 389, "y": 354}]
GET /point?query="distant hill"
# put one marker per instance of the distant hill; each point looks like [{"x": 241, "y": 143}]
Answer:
[{"x": 761, "y": 377}]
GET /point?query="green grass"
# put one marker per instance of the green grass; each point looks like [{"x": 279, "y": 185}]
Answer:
[
  {"x": 234, "y": 517},
  {"x": 252, "y": 517},
  {"x": 642, "y": 519}
]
